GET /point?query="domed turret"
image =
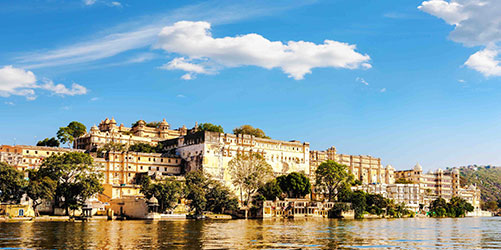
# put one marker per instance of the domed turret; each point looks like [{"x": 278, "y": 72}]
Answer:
[
  {"x": 141, "y": 123},
  {"x": 94, "y": 128},
  {"x": 107, "y": 121},
  {"x": 390, "y": 167},
  {"x": 113, "y": 121},
  {"x": 418, "y": 167},
  {"x": 440, "y": 171},
  {"x": 153, "y": 200}
]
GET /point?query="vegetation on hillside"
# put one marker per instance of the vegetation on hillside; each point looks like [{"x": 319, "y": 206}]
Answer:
[
  {"x": 249, "y": 130},
  {"x": 488, "y": 179}
]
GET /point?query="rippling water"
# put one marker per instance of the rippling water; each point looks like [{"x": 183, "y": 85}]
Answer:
[{"x": 415, "y": 233}]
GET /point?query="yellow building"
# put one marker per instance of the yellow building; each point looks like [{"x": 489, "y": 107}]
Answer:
[
  {"x": 141, "y": 132},
  {"x": 25, "y": 157},
  {"x": 120, "y": 170},
  {"x": 365, "y": 168}
]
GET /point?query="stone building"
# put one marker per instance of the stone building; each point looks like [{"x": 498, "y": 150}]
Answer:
[
  {"x": 140, "y": 132},
  {"x": 25, "y": 157},
  {"x": 121, "y": 169},
  {"x": 409, "y": 194},
  {"x": 432, "y": 184},
  {"x": 365, "y": 168},
  {"x": 212, "y": 151}
]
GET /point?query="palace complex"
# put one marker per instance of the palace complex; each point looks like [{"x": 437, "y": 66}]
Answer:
[{"x": 189, "y": 150}]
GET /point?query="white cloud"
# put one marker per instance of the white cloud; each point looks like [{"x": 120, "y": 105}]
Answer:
[
  {"x": 9, "y": 103},
  {"x": 362, "y": 80},
  {"x": 461, "y": 81},
  {"x": 188, "y": 76},
  {"x": 485, "y": 62},
  {"x": 17, "y": 81},
  {"x": 295, "y": 58},
  {"x": 183, "y": 64},
  {"x": 476, "y": 23},
  {"x": 93, "y": 99},
  {"x": 382, "y": 90},
  {"x": 89, "y": 2},
  {"x": 116, "y": 4},
  {"x": 180, "y": 96},
  {"x": 60, "y": 89},
  {"x": 143, "y": 31}
]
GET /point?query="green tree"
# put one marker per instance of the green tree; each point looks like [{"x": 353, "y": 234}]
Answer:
[
  {"x": 331, "y": 175},
  {"x": 52, "y": 142},
  {"x": 142, "y": 147},
  {"x": 69, "y": 133},
  {"x": 40, "y": 188},
  {"x": 249, "y": 172},
  {"x": 249, "y": 130},
  {"x": 490, "y": 205},
  {"x": 438, "y": 207},
  {"x": 111, "y": 147},
  {"x": 271, "y": 190},
  {"x": 359, "y": 203},
  {"x": 210, "y": 127},
  {"x": 457, "y": 207},
  {"x": 196, "y": 190},
  {"x": 11, "y": 183},
  {"x": 295, "y": 185},
  {"x": 168, "y": 192},
  {"x": 219, "y": 198},
  {"x": 76, "y": 177},
  {"x": 376, "y": 203}
]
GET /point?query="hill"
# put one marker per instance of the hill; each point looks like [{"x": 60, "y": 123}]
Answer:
[{"x": 487, "y": 178}]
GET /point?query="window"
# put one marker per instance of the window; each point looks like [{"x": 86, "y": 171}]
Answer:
[
  {"x": 158, "y": 169},
  {"x": 138, "y": 158}
]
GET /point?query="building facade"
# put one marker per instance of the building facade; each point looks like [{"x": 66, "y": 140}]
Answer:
[
  {"x": 212, "y": 151},
  {"x": 365, "y": 168},
  {"x": 121, "y": 169},
  {"x": 25, "y": 157},
  {"x": 140, "y": 132}
]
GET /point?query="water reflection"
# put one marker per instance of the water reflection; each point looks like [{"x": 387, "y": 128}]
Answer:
[{"x": 467, "y": 233}]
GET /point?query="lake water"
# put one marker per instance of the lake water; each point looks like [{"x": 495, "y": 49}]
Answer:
[{"x": 412, "y": 233}]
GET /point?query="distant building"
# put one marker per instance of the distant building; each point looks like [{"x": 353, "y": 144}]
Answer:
[
  {"x": 365, "y": 168},
  {"x": 409, "y": 194},
  {"x": 141, "y": 132}
]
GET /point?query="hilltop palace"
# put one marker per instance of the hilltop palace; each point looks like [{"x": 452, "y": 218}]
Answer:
[{"x": 211, "y": 151}]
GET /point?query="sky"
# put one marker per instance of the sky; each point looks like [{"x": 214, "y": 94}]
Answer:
[{"x": 406, "y": 81}]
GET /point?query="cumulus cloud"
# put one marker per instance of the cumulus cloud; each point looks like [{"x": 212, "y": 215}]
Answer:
[
  {"x": 382, "y": 90},
  {"x": 476, "y": 23},
  {"x": 17, "y": 81},
  {"x": 116, "y": 4},
  {"x": 485, "y": 62},
  {"x": 60, "y": 89},
  {"x": 295, "y": 58}
]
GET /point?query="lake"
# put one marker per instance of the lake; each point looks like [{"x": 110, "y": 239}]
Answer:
[{"x": 410, "y": 233}]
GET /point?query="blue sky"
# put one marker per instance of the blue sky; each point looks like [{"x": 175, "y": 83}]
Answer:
[{"x": 407, "y": 81}]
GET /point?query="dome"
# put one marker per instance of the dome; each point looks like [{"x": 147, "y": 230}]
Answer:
[
  {"x": 440, "y": 171},
  {"x": 107, "y": 120},
  {"x": 389, "y": 167},
  {"x": 153, "y": 200},
  {"x": 141, "y": 123},
  {"x": 113, "y": 120},
  {"x": 94, "y": 128},
  {"x": 164, "y": 122},
  {"x": 418, "y": 167}
]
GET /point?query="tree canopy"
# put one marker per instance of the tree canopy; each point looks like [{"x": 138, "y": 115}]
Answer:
[
  {"x": 295, "y": 185},
  {"x": 456, "y": 207},
  {"x": 76, "y": 177},
  {"x": 331, "y": 175},
  {"x": 48, "y": 142},
  {"x": 69, "y": 133},
  {"x": 250, "y": 130},
  {"x": 143, "y": 147},
  {"x": 249, "y": 172},
  {"x": 168, "y": 192},
  {"x": 40, "y": 188},
  {"x": 271, "y": 190},
  {"x": 11, "y": 183},
  {"x": 210, "y": 127}
]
